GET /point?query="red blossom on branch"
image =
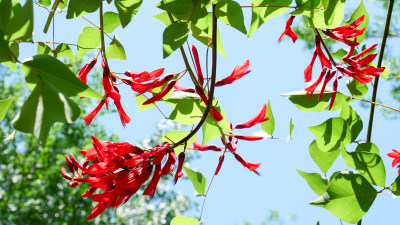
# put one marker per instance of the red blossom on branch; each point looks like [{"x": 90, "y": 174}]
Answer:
[
  {"x": 84, "y": 71},
  {"x": 288, "y": 31},
  {"x": 259, "y": 118},
  {"x": 396, "y": 158},
  {"x": 236, "y": 74},
  {"x": 197, "y": 146}
]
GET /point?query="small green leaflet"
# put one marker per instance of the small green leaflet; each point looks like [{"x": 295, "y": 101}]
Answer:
[
  {"x": 115, "y": 50},
  {"x": 269, "y": 125},
  {"x": 178, "y": 8},
  {"x": 88, "y": 40},
  {"x": 348, "y": 197},
  {"x": 324, "y": 160},
  {"x": 396, "y": 186},
  {"x": 175, "y": 136},
  {"x": 43, "y": 49},
  {"x": 4, "y": 106},
  {"x": 213, "y": 129},
  {"x": 127, "y": 9},
  {"x": 230, "y": 13},
  {"x": 110, "y": 22},
  {"x": 173, "y": 37},
  {"x": 367, "y": 147},
  {"x": 370, "y": 165},
  {"x": 260, "y": 15},
  {"x": 78, "y": 8},
  {"x": 356, "y": 88},
  {"x": 14, "y": 48},
  {"x": 188, "y": 111},
  {"x": 63, "y": 50},
  {"x": 183, "y": 220},
  {"x": 306, "y": 104},
  {"x": 352, "y": 119},
  {"x": 198, "y": 180},
  {"x": 291, "y": 128},
  {"x": 330, "y": 17},
  {"x": 331, "y": 133},
  {"x": 317, "y": 183}
]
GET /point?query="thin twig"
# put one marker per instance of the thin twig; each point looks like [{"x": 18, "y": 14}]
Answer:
[
  {"x": 280, "y": 6},
  {"x": 374, "y": 103}
]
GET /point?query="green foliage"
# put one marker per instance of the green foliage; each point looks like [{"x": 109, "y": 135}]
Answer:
[
  {"x": 63, "y": 50},
  {"x": 230, "y": 13},
  {"x": 213, "y": 129},
  {"x": 177, "y": 135},
  {"x": 173, "y": 37},
  {"x": 187, "y": 111},
  {"x": 78, "y": 8},
  {"x": 198, "y": 180},
  {"x": 395, "y": 188},
  {"x": 43, "y": 49},
  {"x": 348, "y": 197},
  {"x": 4, "y": 106},
  {"x": 115, "y": 50},
  {"x": 88, "y": 40},
  {"x": 182, "y": 220},
  {"x": 110, "y": 22},
  {"x": 309, "y": 104},
  {"x": 360, "y": 11},
  {"x": 20, "y": 24},
  {"x": 369, "y": 164},
  {"x": 352, "y": 119},
  {"x": 140, "y": 99},
  {"x": 317, "y": 183},
  {"x": 291, "y": 128},
  {"x": 269, "y": 125},
  {"x": 324, "y": 160},
  {"x": 127, "y": 9},
  {"x": 52, "y": 83},
  {"x": 330, "y": 134},
  {"x": 330, "y": 17},
  {"x": 356, "y": 88}
]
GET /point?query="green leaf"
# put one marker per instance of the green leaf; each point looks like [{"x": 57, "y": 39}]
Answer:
[
  {"x": 324, "y": 160},
  {"x": 5, "y": 54},
  {"x": 353, "y": 120},
  {"x": 173, "y": 37},
  {"x": 367, "y": 147},
  {"x": 78, "y": 8},
  {"x": 183, "y": 220},
  {"x": 369, "y": 164},
  {"x": 330, "y": 17},
  {"x": 340, "y": 53},
  {"x": 317, "y": 183},
  {"x": 115, "y": 50},
  {"x": 163, "y": 17},
  {"x": 140, "y": 99},
  {"x": 4, "y": 106},
  {"x": 45, "y": 106},
  {"x": 45, "y": 2},
  {"x": 396, "y": 186},
  {"x": 179, "y": 8},
  {"x": 46, "y": 69},
  {"x": 308, "y": 8},
  {"x": 198, "y": 180},
  {"x": 331, "y": 133},
  {"x": 89, "y": 39},
  {"x": 269, "y": 125},
  {"x": 202, "y": 31},
  {"x": 14, "y": 48},
  {"x": 63, "y": 50},
  {"x": 361, "y": 10},
  {"x": 5, "y": 13},
  {"x": 127, "y": 9},
  {"x": 356, "y": 88},
  {"x": 175, "y": 136},
  {"x": 291, "y": 128},
  {"x": 213, "y": 129},
  {"x": 385, "y": 73},
  {"x": 306, "y": 104},
  {"x": 230, "y": 13},
  {"x": 44, "y": 49},
  {"x": 259, "y": 15},
  {"x": 348, "y": 197},
  {"x": 110, "y": 22},
  {"x": 187, "y": 111},
  {"x": 20, "y": 25}
]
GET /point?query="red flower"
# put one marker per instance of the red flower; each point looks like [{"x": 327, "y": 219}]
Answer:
[
  {"x": 83, "y": 72},
  {"x": 259, "y": 118},
  {"x": 144, "y": 76},
  {"x": 179, "y": 173},
  {"x": 119, "y": 170},
  {"x": 288, "y": 30},
  {"x": 198, "y": 146},
  {"x": 198, "y": 67},
  {"x": 246, "y": 137},
  {"x": 348, "y": 31},
  {"x": 220, "y": 161},
  {"x": 213, "y": 111},
  {"x": 161, "y": 94},
  {"x": 237, "y": 73},
  {"x": 177, "y": 87},
  {"x": 396, "y": 158},
  {"x": 250, "y": 166}
]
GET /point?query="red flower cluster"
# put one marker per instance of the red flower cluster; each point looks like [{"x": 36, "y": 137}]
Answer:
[
  {"x": 119, "y": 170},
  {"x": 352, "y": 65},
  {"x": 396, "y": 158},
  {"x": 288, "y": 31},
  {"x": 231, "y": 144}
]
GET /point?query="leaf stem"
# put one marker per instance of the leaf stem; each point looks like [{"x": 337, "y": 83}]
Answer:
[
  {"x": 103, "y": 47},
  {"x": 374, "y": 103},
  {"x": 380, "y": 59}
]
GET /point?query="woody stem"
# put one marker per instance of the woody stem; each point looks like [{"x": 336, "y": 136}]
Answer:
[
  {"x": 212, "y": 85},
  {"x": 376, "y": 80}
]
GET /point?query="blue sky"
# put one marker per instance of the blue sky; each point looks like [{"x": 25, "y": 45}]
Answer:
[{"x": 238, "y": 194}]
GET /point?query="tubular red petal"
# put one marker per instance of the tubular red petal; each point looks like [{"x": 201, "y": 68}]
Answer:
[
  {"x": 247, "y": 137},
  {"x": 237, "y": 73},
  {"x": 328, "y": 77},
  {"x": 177, "y": 87},
  {"x": 259, "y": 118},
  {"x": 123, "y": 116},
  {"x": 334, "y": 94},
  {"x": 89, "y": 118},
  {"x": 197, "y": 61},
  {"x": 308, "y": 70},
  {"x": 70, "y": 164},
  {"x": 151, "y": 188},
  {"x": 97, "y": 210},
  {"x": 321, "y": 55},
  {"x": 169, "y": 165},
  {"x": 363, "y": 52},
  {"x": 181, "y": 159},
  {"x": 312, "y": 87},
  {"x": 215, "y": 114},
  {"x": 65, "y": 174},
  {"x": 161, "y": 94},
  {"x": 248, "y": 165},
  {"x": 198, "y": 146},
  {"x": 221, "y": 160}
]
